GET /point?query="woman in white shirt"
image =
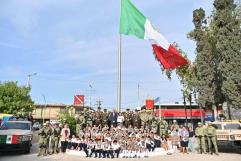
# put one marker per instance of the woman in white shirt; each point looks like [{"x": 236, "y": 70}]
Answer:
[{"x": 64, "y": 137}]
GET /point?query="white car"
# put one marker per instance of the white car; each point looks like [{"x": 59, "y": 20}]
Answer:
[{"x": 16, "y": 136}]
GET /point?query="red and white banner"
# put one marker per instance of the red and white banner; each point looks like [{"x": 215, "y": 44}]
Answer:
[
  {"x": 149, "y": 104},
  {"x": 79, "y": 100}
]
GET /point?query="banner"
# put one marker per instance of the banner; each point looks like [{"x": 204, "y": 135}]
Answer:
[
  {"x": 79, "y": 100},
  {"x": 149, "y": 104}
]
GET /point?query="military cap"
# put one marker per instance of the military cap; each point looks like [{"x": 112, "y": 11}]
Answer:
[
  {"x": 44, "y": 124},
  {"x": 127, "y": 109},
  {"x": 174, "y": 120},
  {"x": 47, "y": 122},
  {"x": 99, "y": 108},
  {"x": 105, "y": 109},
  {"x": 210, "y": 123},
  {"x": 199, "y": 123}
]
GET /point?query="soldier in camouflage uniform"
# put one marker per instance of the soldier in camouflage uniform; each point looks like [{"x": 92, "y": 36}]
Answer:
[
  {"x": 136, "y": 121},
  {"x": 212, "y": 138},
  {"x": 154, "y": 124},
  {"x": 43, "y": 140},
  {"x": 144, "y": 116},
  {"x": 77, "y": 126},
  {"x": 175, "y": 125},
  {"x": 105, "y": 117},
  {"x": 49, "y": 128},
  {"x": 200, "y": 133},
  {"x": 90, "y": 119},
  {"x": 85, "y": 116},
  {"x": 55, "y": 139},
  {"x": 127, "y": 118},
  {"x": 163, "y": 125},
  {"x": 98, "y": 117}
]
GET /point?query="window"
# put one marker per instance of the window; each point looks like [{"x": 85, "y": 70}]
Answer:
[
  {"x": 232, "y": 127},
  {"x": 217, "y": 126},
  {"x": 16, "y": 125}
]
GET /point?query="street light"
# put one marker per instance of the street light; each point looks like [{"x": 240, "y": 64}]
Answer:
[{"x": 29, "y": 77}]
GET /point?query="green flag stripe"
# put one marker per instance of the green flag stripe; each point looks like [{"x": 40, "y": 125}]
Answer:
[
  {"x": 132, "y": 21},
  {"x": 3, "y": 139}
]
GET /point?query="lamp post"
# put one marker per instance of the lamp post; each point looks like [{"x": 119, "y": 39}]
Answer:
[{"x": 29, "y": 77}]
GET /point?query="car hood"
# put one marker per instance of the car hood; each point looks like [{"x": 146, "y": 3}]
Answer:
[{"x": 15, "y": 132}]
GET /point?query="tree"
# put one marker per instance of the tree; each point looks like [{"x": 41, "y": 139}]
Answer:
[
  {"x": 14, "y": 98},
  {"x": 226, "y": 30},
  {"x": 69, "y": 119},
  {"x": 209, "y": 82}
]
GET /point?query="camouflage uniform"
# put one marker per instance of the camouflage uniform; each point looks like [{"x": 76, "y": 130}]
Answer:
[
  {"x": 174, "y": 125},
  {"x": 154, "y": 125},
  {"x": 163, "y": 125},
  {"x": 128, "y": 118},
  {"x": 136, "y": 121},
  {"x": 144, "y": 116},
  {"x": 49, "y": 136},
  {"x": 200, "y": 133},
  {"x": 55, "y": 139},
  {"x": 212, "y": 138},
  {"x": 98, "y": 117},
  {"x": 105, "y": 117},
  {"x": 43, "y": 140},
  {"x": 89, "y": 119}
]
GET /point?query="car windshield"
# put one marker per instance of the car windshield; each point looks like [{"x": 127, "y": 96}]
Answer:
[
  {"x": 232, "y": 127},
  {"x": 16, "y": 125},
  {"x": 217, "y": 126}
]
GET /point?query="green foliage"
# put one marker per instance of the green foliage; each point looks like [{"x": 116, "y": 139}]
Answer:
[
  {"x": 14, "y": 98},
  {"x": 216, "y": 73},
  {"x": 65, "y": 117},
  {"x": 226, "y": 29}
]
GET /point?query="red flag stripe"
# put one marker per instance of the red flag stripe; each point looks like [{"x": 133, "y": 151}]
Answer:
[
  {"x": 14, "y": 139},
  {"x": 169, "y": 59}
]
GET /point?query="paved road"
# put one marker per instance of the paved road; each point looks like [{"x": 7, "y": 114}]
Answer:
[
  {"x": 231, "y": 154},
  {"x": 226, "y": 153}
]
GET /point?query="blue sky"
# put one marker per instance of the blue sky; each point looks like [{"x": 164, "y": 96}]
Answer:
[{"x": 73, "y": 43}]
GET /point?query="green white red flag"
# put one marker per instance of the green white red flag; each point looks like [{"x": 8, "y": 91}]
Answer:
[
  {"x": 133, "y": 22},
  {"x": 9, "y": 139}
]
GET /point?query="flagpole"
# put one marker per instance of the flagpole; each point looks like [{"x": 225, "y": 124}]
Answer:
[
  {"x": 119, "y": 66},
  {"x": 119, "y": 76}
]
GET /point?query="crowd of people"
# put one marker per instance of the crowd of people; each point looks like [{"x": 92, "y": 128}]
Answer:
[{"x": 133, "y": 134}]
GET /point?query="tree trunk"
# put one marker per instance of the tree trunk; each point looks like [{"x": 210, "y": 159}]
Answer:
[{"x": 229, "y": 113}]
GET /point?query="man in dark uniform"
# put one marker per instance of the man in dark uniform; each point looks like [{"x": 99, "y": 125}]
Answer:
[
  {"x": 98, "y": 117},
  {"x": 128, "y": 118},
  {"x": 136, "y": 121},
  {"x": 113, "y": 118}
]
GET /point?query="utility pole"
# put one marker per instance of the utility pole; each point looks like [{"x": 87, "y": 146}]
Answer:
[
  {"x": 138, "y": 94},
  {"x": 29, "y": 77},
  {"x": 91, "y": 90},
  {"x": 98, "y": 103},
  {"x": 45, "y": 105}
]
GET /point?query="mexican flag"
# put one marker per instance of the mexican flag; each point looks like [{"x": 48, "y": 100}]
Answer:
[
  {"x": 8, "y": 139},
  {"x": 133, "y": 22}
]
